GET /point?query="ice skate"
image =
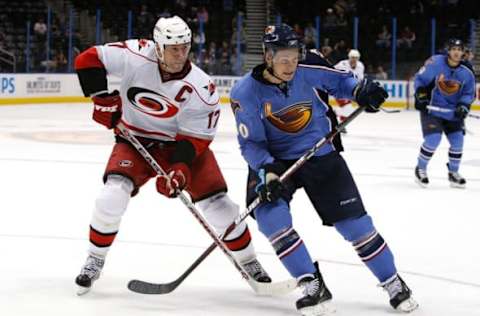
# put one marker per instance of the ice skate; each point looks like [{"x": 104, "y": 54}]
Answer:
[
  {"x": 89, "y": 273},
  {"x": 421, "y": 177},
  {"x": 317, "y": 297},
  {"x": 455, "y": 179},
  {"x": 256, "y": 271},
  {"x": 400, "y": 295}
]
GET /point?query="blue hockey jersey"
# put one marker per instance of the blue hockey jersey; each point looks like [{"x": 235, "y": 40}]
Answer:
[
  {"x": 448, "y": 86},
  {"x": 284, "y": 121}
]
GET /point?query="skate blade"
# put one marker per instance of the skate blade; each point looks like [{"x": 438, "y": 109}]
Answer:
[
  {"x": 81, "y": 290},
  {"x": 407, "y": 306},
  {"x": 457, "y": 185},
  {"x": 322, "y": 309},
  {"x": 421, "y": 184}
]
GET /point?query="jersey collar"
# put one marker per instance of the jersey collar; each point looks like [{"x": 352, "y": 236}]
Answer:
[{"x": 166, "y": 76}]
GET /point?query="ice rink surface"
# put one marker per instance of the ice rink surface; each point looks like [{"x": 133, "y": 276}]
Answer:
[{"x": 51, "y": 162}]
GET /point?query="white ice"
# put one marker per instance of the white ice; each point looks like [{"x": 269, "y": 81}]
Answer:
[{"x": 51, "y": 161}]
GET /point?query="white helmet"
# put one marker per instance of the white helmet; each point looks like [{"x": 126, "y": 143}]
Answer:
[
  {"x": 353, "y": 53},
  {"x": 171, "y": 31}
]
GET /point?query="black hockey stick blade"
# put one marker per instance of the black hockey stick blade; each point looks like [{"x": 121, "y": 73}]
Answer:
[
  {"x": 390, "y": 111},
  {"x": 144, "y": 287}
]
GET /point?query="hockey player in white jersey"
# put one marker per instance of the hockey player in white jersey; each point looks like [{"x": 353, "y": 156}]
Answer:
[
  {"x": 354, "y": 65},
  {"x": 172, "y": 107}
]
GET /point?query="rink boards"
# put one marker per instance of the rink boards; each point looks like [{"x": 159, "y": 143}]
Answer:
[{"x": 64, "y": 88}]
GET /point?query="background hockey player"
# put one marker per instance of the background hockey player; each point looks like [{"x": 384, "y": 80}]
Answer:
[
  {"x": 172, "y": 107},
  {"x": 354, "y": 65},
  {"x": 444, "y": 92},
  {"x": 280, "y": 116}
]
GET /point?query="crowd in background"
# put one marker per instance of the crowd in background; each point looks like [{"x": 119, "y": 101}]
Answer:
[{"x": 216, "y": 49}]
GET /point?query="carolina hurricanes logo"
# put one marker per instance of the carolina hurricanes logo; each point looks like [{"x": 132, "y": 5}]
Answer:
[
  {"x": 151, "y": 103},
  {"x": 448, "y": 87},
  {"x": 291, "y": 119}
]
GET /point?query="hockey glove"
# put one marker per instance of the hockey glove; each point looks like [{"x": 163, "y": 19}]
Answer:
[
  {"x": 270, "y": 189},
  {"x": 461, "y": 111},
  {"x": 177, "y": 178},
  {"x": 107, "y": 109},
  {"x": 370, "y": 95},
  {"x": 422, "y": 99}
]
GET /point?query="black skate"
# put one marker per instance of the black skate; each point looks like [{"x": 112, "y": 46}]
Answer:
[
  {"x": 316, "y": 295},
  {"x": 456, "y": 180},
  {"x": 89, "y": 273},
  {"x": 421, "y": 177},
  {"x": 400, "y": 295},
  {"x": 256, "y": 271}
]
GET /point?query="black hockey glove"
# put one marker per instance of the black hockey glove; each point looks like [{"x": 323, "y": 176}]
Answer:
[
  {"x": 270, "y": 189},
  {"x": 370, "y": 95},
  {"x": 461, "y": 111},
  {"x": 422, "y": 98}
]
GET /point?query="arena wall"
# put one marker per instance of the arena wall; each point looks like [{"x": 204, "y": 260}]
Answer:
[{"x": 64, "y": 88}]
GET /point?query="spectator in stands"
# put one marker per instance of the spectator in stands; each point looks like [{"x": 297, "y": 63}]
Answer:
[
  {"x": 339, "y": 52},
  {"x": 326, "y": 52},
  {"x": 40, "y": 29},
  {"x": 384, "y": 38},
  {"x": 144, "y": 21},
  {"x": 202, "y": 14},
  {"x": 330, "y": 21},
  {"x": 60, "y": 62},
  {"x": 298, "y": 29},
  {"x": 380, "y": 74},
  {"x": 236, "y": 63},
  {"x": 407, "y": 38},
  {"x": 310, "y": 36},
  {"x": 224, "y": 58}
]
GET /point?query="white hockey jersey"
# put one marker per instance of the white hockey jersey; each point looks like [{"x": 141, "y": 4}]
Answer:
[
  {"x": 359, "y": 70},
  {"x": 158, "y": 105}
]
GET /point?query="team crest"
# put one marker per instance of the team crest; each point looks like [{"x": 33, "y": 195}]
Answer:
[
  {"x": 235, "y": 105},
  {"x": 210, "y": 88},
  {"x": 448, "y": 87},
  {"x": 291, "y": 119},
  {"x": 151, "y": 102}
]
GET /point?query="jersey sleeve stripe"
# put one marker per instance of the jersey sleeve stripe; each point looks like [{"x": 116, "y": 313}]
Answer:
[
  {"x": 88, "y": 59},
  {"x": 323, "y": 68}
]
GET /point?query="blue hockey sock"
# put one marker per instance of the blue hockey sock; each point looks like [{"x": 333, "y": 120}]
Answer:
[
  {"x": 370, "y": 246},
  {"x": 455, "y": 151},
  {"x": 430, "y": 144},
  {"x": 275, "y": 222}
]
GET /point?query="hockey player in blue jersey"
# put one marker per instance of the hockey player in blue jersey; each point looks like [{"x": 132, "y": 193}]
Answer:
[
  {"x": 444, "y": 92},
  {"x": 280, "y": 116}
]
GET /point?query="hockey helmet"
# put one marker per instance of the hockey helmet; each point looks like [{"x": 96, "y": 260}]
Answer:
[
  {"x": 353, "y": 53},
  {"x": 455, "y": 42},
  {"x": 282, "y": 37},
  {"x": 171, "y": 31}
]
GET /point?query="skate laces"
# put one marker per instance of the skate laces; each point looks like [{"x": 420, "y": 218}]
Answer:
[
  {"x": 254, "y": 268},
  {"x": 422, "y": 173},
  {"x": 92, "y": 266},
  {"x": 393, "y": 286},
  {"x": 310, "y": 287}
]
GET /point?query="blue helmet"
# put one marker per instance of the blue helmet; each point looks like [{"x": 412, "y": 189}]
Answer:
[{"x": 282, "y": 37}]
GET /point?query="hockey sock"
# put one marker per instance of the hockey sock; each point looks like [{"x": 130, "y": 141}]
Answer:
[
  {"x": 430, "y": 144},
  {"x": 369, "y": 244},
  {"x": 275, "y": 222},
  {"x": 455, "y": 151}
]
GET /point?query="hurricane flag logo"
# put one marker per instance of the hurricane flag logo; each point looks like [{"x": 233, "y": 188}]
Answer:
[{"x": 151, "y": 102}]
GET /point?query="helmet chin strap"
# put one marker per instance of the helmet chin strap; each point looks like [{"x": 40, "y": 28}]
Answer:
[{"x": 268, "y": 73}]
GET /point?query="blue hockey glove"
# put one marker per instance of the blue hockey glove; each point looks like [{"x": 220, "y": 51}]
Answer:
[
  {"x": 270, "y": 189},
  {"x": 461, "y": 111},
  {"x": 370, "y": 95},
  {"x": 422, "y": 98}
]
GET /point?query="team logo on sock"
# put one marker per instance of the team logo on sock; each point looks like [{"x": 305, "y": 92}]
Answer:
[
  {"x": 291, "y": 119},
  {"x": 448, "y": 86}
]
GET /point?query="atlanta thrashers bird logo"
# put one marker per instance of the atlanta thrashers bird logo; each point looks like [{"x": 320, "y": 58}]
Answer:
[
  {"x": 291, "y": 119},
  {"x": 448, "y": 87},
  {"x": 151, "y": 102}
]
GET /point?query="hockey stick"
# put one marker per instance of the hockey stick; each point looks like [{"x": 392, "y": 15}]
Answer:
[
  {"x": 258, "y": 287},
  {"x": 390, "y": 111},
  {"x": 164, "y": 288},
  {"x": 442, "y": 110}
]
